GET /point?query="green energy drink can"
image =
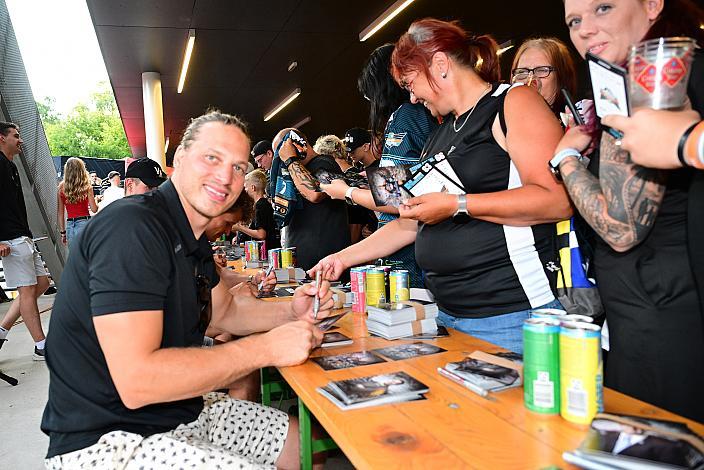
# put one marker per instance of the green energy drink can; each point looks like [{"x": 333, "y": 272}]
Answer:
[
  {"x": 376, "y": 287},
  {"x": 541, "y": 365},
  {"x": 581, "y": 372},
  {"x": 398, "y": 286}
]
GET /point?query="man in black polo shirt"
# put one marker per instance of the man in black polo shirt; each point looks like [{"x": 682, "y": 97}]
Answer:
[
  {"x": 21, "y": 263},
  {"x": 127, "y": 371}
]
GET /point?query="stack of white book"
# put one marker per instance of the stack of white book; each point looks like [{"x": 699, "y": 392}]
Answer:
[{"x": 402, "y": 319}]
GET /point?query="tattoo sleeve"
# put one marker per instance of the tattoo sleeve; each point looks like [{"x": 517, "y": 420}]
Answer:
[
  {"x": 307, "y": 185},
  {"x": 622, "y": 204}
]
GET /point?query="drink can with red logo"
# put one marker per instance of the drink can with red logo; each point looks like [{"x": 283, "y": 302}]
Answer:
[
  {"x": 261, "y": 244},
  {"x": 275, "y": 258},
  {"x": 358, "y": 279}
]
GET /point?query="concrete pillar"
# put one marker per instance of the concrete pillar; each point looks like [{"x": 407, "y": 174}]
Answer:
[{"x": 153, "y": 117}]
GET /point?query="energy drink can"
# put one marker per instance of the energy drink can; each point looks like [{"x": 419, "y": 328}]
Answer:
[
  {"x": 375, "y": 286},
  {"x": 261, "y": 248},
  {"x": 398, "y": 286},
  {"x": 541, "y": 365},
  {"x": 286, "y": 258},
  {"x": 294, "y": 259},
  {"x": 554, "y": 313},
  {"x": 581, "y": 372},
  {"x": 275, "y": 258},
  {"x": 387, "y": 284},
  {"x": 251, "y": 250},
  {"x": 577, "y": 318},
  {"x": 358, "y": 277}
]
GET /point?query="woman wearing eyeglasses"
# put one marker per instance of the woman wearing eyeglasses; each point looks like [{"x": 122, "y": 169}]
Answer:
[{"x": 547, "y": 65}]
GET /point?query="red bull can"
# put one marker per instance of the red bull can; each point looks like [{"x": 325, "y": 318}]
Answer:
[
  {"x": 251, "y": 251},
  {"x": 541, "y": 365},
  {"x": 399, "y": 285},
  {"x": 581, "y": 372},
  {"x": 358, "y": 279},
  {"x": 375, "y": 287},
  {"x": 261, "y": 245}
]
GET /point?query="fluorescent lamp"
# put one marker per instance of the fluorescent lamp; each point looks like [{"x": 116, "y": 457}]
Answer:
[
  {"x": 384, "y": 18},
  {"x": 504, "y": 46},
  {"x": 283, "y": 104},
  {"x": 300, "y": 123},
  {"x": 166, "y": 145},
  {"x": 186, "y": 59}
]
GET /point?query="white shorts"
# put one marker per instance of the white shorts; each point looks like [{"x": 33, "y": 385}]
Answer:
[
  {"x": 228, "y": 434},
  {"x": 23, "y": 265}
]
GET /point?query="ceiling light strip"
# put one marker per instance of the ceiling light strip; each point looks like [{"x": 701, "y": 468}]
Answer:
[
  {"x": 283, "y": 104},
  {"x": 303, "y": 121},
  {"x": 384, "y": 18},
  {"x": 186, "y": 59},
  {"x": 504, "y": 46}
]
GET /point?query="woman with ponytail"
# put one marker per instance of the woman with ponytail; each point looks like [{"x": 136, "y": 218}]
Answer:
[
  {"x": 75, "y": 196},
  {"x": 486, "y": 254}
]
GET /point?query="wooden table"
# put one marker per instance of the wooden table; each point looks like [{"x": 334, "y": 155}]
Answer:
[{"x": 453, "y": 427}]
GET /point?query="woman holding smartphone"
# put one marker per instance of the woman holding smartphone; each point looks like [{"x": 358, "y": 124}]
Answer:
[{"x": 644, "y": 272}]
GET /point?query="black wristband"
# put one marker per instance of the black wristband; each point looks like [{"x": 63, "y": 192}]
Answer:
[
  {"x": 63, "y": 232},
  {"x": 681, "y": 145}
]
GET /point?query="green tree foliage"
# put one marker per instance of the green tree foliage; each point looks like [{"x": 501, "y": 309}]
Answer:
[{"x": 90, "y": 130}]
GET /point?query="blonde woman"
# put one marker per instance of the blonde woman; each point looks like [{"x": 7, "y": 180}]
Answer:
[
  {"x": 332, "y": 145},
  {"x": 74, "y": 198}
]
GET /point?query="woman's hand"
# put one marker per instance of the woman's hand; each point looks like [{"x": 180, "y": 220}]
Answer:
[
  {"x": 336, "y": 189},
  {"x": 429, "y": 208},
  {"x": 332, "y": 267},
  {"x": 652, "y": 136},
  {"x": 577, "y": 138}
]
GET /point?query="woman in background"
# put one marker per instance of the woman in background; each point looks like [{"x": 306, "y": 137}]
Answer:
[{"x": 74, "y": 200}]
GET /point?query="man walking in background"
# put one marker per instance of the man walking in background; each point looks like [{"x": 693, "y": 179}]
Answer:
[{"x": 21, "y": 263}]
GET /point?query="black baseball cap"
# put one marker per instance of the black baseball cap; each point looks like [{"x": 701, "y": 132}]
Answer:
[
  {"x": 355, "y": 138},
  {"x": 147, "y": 170},
  {"x": 261, "y": 147}
]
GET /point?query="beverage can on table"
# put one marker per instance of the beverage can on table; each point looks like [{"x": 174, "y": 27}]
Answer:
[
  {"x": 287, "y": 257},
  {"x": 387, "y": 285},
  {"x": 261, "y": 245},
  {"x": 275, "y": 258},
  {"x": 541, "y": 365},
  {"x": 375, "y": 286},
  {"x": 554, "y": 313},
  {"x": 399, "y": 286},
  {"x": 251, "y": 250},
  {"x": 578, "y": 318},
  {"x": 581, "y": 372},
  {"x": 358, "y": 277}
]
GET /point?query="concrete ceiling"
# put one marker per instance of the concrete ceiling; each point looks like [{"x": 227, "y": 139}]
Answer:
[{"x": 243, "y": 49}]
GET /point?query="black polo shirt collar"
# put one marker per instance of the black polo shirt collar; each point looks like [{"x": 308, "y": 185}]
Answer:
[{"x": 178, "y": 215}]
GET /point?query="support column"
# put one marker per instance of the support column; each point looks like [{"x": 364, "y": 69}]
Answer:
[{"x": 153, "y": 117}]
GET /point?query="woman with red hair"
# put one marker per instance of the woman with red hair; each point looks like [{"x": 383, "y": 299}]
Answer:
[{"x": 486, "y": 254}]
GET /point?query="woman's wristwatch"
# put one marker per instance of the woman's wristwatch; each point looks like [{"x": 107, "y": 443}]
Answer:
[{"x": 461, "y": 215}]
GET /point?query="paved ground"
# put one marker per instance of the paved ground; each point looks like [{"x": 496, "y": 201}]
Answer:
[{"x": 22, "y": 444}]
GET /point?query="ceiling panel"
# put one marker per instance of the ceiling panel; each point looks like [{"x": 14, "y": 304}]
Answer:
[{"x": 243, "y": 49}]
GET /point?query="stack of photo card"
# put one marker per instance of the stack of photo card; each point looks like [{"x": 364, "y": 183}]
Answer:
[
  {"x": 331, "y": 340},
  {"x": 402, "y": 319},
  {"x": 281, "y": 292},
  {"x": 409, "y": 351},
  {"x": 373, "y": 390},
  {"x": 630, "y": 442},
  {"x": 441, "y": 332},
  {"x": 345, "y": 361},
  {"x": 487, "y": 371}
]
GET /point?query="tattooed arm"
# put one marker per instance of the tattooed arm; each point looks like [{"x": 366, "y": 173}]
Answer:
[
  {"x": 621, "y": 206},
  {"x": 306, "y": 184}
]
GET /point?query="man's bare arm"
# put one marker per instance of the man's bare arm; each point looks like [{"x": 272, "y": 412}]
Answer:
[{"x": 306, "y": 184}]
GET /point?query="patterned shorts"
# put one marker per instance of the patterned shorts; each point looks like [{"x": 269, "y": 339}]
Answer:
[{"x": 228, "y": 434}]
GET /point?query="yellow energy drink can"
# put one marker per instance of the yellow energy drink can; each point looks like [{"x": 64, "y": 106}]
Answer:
[
  {"x": 581, "y": 372},
  {"x": 376, "y": 286}
]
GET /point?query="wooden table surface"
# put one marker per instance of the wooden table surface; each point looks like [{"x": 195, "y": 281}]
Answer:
[{"x": 453, "y": 427}]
